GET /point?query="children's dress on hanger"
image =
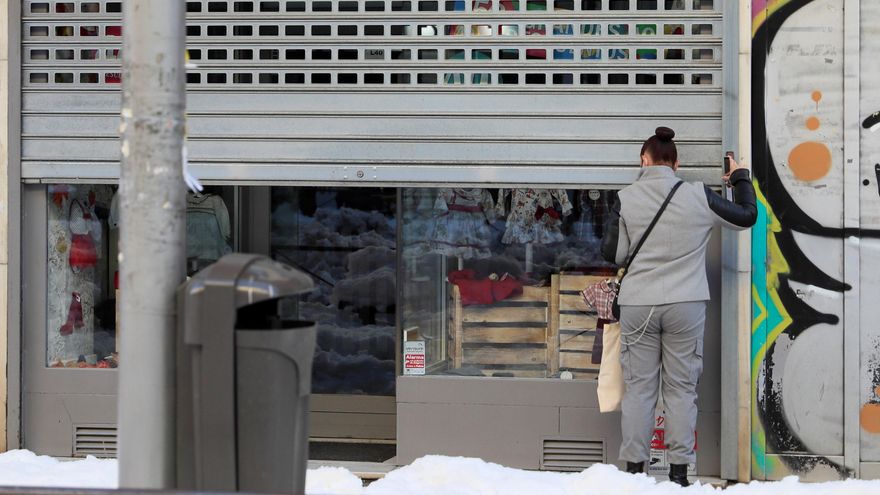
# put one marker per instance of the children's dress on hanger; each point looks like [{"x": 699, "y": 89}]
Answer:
[
  {"x": 462, "y": 226},
  {"x": 535, "y": 215}
]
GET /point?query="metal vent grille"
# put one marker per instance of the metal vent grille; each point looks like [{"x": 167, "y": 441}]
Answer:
[
  {"x": 96, "y": 440},
  {"x": 570, "y": 454}
]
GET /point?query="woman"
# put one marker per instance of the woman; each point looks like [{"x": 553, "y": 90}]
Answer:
[{"x": 663, "y": 296}]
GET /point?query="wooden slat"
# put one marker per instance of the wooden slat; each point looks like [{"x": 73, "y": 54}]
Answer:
[
  {"x": 573, "y": 302},
  {"x": 519, "y": 373},
  {"x": 485, "y": 314},
  {"x": 456, "y": 327},
  {"x": 506, "y": 335},
  {"x": 577, "y": 321},
  {"x": 583, "y": 342},
  {"x": 585, "y": 375},
  {"x": 495, "y": 355},
  {"x": 532, "y": 294},
  {"x": 553, "y": 326},
  {"x": 576, "y": 360},
  {"x": 577, "y": 282}
]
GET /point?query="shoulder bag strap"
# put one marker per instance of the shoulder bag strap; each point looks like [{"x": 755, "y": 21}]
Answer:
[{"x": 650, "y": 227}]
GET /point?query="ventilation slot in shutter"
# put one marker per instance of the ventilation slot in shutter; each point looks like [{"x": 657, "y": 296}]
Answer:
[
  {"x": 96, "y": 440},
  {"x": 567, "y": 454}
]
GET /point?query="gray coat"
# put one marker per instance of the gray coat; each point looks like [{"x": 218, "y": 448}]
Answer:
[{"x": 671, "y": 266}]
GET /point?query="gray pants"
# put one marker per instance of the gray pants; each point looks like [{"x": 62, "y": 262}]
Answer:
[{"x": 673, "y": 338}]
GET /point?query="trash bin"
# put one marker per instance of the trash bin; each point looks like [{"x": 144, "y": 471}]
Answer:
[{"x": 243, "y": 378}]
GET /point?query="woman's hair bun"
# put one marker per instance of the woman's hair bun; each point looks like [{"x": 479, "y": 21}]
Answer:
[{"x": 664, "y": 133}]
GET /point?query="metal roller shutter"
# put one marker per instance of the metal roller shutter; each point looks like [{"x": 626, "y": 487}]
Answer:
[{"x": 391, "y": 91}]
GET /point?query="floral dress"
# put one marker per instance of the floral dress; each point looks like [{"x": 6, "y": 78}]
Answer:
[
  {"x": 461, "y": 226},
  {"x": 534, "y": 215}
]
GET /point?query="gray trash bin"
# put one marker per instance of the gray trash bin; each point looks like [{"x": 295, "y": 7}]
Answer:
[{"x": 243, "y": 378}]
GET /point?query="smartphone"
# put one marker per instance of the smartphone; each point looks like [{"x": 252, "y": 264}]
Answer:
[{"x": 727, "y": 157}]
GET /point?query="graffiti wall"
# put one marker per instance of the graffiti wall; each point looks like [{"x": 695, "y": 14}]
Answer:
[{"x": 798, "y": 259}]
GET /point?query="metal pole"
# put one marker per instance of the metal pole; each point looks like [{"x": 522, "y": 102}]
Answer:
[{"x": 152, "y": 237}]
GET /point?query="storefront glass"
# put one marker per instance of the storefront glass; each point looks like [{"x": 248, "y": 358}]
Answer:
[
  {"x": 492, "y": 278},
  {"x": 346, "y": 239},
  {"x": 82, "y": 269}
]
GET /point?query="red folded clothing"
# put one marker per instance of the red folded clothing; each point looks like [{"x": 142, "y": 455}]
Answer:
[{"x": 484, "y": 291}]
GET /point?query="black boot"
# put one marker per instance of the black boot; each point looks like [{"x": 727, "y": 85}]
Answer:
[
  {"x": 678, "y": 473},
  {"x": 635, "y": 467}
]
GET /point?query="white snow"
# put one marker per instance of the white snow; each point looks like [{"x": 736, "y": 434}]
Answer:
[{"x": 432, "y": 475}]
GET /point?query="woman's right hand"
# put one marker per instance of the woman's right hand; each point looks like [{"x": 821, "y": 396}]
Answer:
[{"x": 734, "y": 166}]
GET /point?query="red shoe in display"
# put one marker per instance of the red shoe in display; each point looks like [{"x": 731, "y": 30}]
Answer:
[{"x": 74, "y": 316}]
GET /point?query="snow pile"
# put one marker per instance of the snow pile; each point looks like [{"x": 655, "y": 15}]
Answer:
[
  {"x": 333, "y": 481},
  {"x": 24, "y": 468}
]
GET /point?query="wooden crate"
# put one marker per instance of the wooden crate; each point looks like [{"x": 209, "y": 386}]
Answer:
[
  {"x": 575, "y": 324},
  {"x": 512, "y": 336}
]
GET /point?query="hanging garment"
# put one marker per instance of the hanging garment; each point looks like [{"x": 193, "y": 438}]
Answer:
[
  {"x": 83, "y": 253},
  {"x": 462, "y": 228},
  {"x": 535, "y": 215},
  {"x": 208, "y": 232}
]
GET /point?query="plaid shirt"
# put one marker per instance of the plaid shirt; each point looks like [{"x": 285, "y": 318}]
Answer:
[{"x": 600, "y": 296}]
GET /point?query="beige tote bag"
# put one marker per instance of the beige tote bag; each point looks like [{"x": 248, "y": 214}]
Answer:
[{"x": 611, "y": 385}]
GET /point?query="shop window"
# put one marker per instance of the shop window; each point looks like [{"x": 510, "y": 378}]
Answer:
[
  {"x": 216, "y": 30},
  {"x": 481, "y": 54},
  {"x": 563, "y": 29},
  {"x": 243, "y": 6},
  {"x": 90, "y": 7},
  {"x": 454, "y": 78},
  {"x": 646, "y": 29},
  {"x": 701, "y": 29},
  {"x": 113, "y": 7},
  {"x": 89, "y": 31},
  {"x": 294, "y": 78},
  {"x": 193, "y": 7},
  {"x": 646, "y": 54},
  {"x": 430, "y": 6},
  {"x": 269, "y": 31},
  {"x": 39, "y": 78},
  {"x": 217, "y": 7},
  {"x": 481, "y": 78},
  {"x": 591, "y": 4},
  {"x": 591, "y": 29},
  {"x": 378, "y": 78},
  {"x": 400, "y": 30},
  {"x": 563, "y": 5},
  {"x": 217, "y": 54},
  {"x": 483, "y": 30},
  {"x": 82, "y": 265},
  {"x": 563, "y": 78},
  {"x": 591, "y": 54},
  {"x": 618, "y": 4},
  {"x": 295, "y": 54},
  {"x": 374, "y": 6},
  {"x": 40, "y": 8},
  {"x": 89, "y": 78},
  {"x": 508, "y": 5},
  {"x": 294, "y": 30},
  {"x": 269, "y": 54},
  {"x": 65, "y": 54},
  {"x": 456, "y": 54},
  {"x": 618, "y": 78},
  {"x": 618, "y": 29},
  {"x": 41, "y": 54},
  {"x": 348, "y": 6},
  {"x": 618, "y": 54},
  {"x": 270, "y": 7},
  {"x": 536, "y": 5},
  {"x": 63, "y": 31},
  {"x": 427, "y": 54},
  {"x": 491, "y": 280},
  {"x": 193, "y": 78},
  {"x": 374, "y": 54},
  {"x": 322, "y": 54},
  {"x": 194, "y": 30},
  {"x": 454, "y": 30},
  {"x": 268, "y": 78},
  {"x": 322, "y": 6},
  {"x": 112, "y": 78},
  {"x": 347, "y": 30},
  {"x": 508, "y": 78},
  {"x": 242, "y": 78},
  {"x": 536, "y": 54},
  {"x": 536, "y": 29},
  {"x": 196, "y": 54},
  {"x": 39, "y": 31},
  {"x": 566, "y": 54},
  {"x": 674, "y": 4},
  {"x": 295, "y": 6},
  {"x": 704, "y": 4},
  {"x": 481, "y": 5},
  {"x": 89, "y": 54},
  {"x": 401, "y": 54},
  {"x": 646, "y": 4},
  {"x": 239, "y": 54},
  {"x": 113, "y": 31},
  {"x": 508, "y": 54},
  {"x": 401, "y": 6},
  {"x": 65, "y": 7},
  {"x": 703, "y": 54},
  {"x": 374, "y": 30},
  {"x": 701, "y": 79},
  {"x": 591, "y": 79},
  {"x": 113, "y": 53},
  {"x": 508, "y": 30},
  {"x": 321, "y": 79},
  {"x": 673, "y": 29},
  {"x": 673, "y": 54},
  {"x": 321, "y": 30},
  {"x": 347, "y": 54}
]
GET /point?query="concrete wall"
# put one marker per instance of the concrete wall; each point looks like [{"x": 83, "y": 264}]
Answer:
[
  {"x": 4, "y": 212},
  {"x": 815, "y": 337}
]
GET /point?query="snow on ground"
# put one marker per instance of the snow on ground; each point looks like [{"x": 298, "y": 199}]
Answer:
[{"x": 432, "y": 475}]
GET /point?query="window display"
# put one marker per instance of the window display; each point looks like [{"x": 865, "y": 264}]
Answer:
[
  {"x": 500, "y": 294},
  {"x": 82, "y": 266}
]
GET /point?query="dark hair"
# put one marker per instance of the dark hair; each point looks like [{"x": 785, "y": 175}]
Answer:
[{"x": 661, "y": 147}]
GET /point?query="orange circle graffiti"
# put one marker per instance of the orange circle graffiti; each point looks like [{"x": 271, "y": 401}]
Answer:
[
  {"x": 812, "y": 123},
  {"x": 869, "y": 418},
  {"x": 810, "y": 161},
  {"x": 817, "y": 96}
]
